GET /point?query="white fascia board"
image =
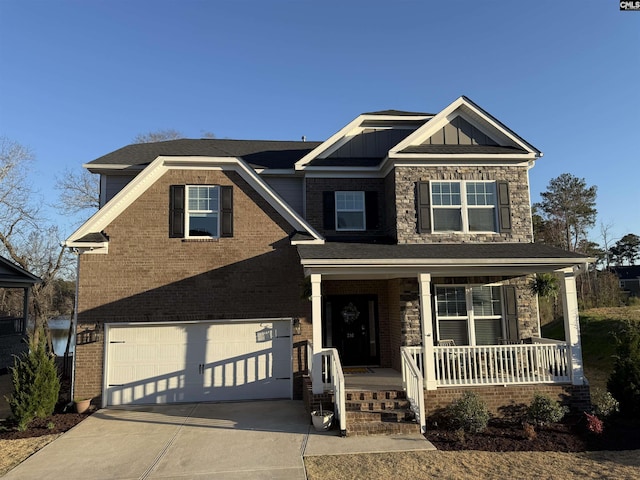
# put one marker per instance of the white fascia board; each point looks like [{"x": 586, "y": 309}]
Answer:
[
  {"x": 300, "y": 164},
  {"x": 403, "y": 268},
  {"x": 449, "y": 262},
  {"x": 447, "y": 114},
  {"x": 86, "y": 247},
  {"x": 315, "y": 241},
  {"x": 123, "y": 199}
]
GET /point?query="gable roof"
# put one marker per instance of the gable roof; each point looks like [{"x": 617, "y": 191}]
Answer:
[
  {"x": 89, "y": 235},
  {"x": 270, "y": 154},
  {"x": 479, "y": 118},
  {"x": 419, "y": 127},
  {"x": 12, "y": 275}
]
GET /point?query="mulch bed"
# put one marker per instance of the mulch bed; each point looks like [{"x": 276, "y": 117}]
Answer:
[
  {"x": 64, "y": 418},
  {"x": 569, "y": 436},
  {"x": 56, "y": 423}
]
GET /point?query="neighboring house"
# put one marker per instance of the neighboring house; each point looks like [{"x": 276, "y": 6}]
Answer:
[
  {"x": 231, "y": 269},
  {"x": 13, "y": 321},
  {"x": 629, "y": 277}
]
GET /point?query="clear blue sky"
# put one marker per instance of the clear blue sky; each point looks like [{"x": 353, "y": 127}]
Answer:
[{"x": 79, "y": 79}]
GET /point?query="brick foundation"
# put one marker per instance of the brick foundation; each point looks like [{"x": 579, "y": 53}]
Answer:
[{"x": 499, "y": 398}]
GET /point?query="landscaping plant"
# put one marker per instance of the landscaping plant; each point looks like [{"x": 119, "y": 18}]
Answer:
[
  {"x": 624, "y": 382},
  {"x": 603, "y": 403},
  {"x": 469, "y": 413},
  {"x": 543, "y": 410},
  {"x": 35, "y": 382}
]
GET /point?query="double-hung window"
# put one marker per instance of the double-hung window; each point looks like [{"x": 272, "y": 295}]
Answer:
[
  {"x": 464, "y": 206},
  {"x": 203, "y": 211},
  {"x": 350, "y": 211},
  {"x": 469, "y": 315}
]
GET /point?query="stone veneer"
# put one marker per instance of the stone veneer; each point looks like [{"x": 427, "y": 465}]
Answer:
[{"x": 405, "y": 194}]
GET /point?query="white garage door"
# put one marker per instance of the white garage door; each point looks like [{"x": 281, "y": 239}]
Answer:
[{"x": 198, "y": 362}]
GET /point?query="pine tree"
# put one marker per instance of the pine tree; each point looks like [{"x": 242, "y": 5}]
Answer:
[{"x": 36, "y": 383}]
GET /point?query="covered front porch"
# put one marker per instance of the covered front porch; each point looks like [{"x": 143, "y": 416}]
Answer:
[{"x": 441, "y": 316}]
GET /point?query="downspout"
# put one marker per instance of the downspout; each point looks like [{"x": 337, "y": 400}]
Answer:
[{"x": 74, "y": 324}]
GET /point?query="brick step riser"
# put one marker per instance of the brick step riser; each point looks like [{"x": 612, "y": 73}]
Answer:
[
  {"x": 385, "y": 395},
  {"x": 382, "y": 428},
  {"x": 376, "y": 406},
  {"x": 384, "y": 416}
]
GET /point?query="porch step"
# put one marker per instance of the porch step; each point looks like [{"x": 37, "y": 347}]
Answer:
[
  {"x": 376, "y": 405},
  {"x": 357, "y": 395},
  {"x": 383, "y": 412},
  {"x": 387, "y": 415},
  {"x": 381, "y": 428}
]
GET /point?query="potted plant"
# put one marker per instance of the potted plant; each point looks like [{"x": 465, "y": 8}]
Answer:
[
  {"x": 321, "y": 419},
  {"x": 82, "y": 404}
]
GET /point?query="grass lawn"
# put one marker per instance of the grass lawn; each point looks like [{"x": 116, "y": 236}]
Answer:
[{"x": 598, "y": 328}]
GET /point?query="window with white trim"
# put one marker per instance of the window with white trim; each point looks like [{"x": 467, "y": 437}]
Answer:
[
  {"x": 464, "y": 206},
  {"x": 203, "y": 211},
  {"x": 350, "y": 211},
  {"x": 469, "y": 315}
]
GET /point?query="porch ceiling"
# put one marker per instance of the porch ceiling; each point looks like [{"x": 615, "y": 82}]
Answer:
[{"x": 360, "y": 260}]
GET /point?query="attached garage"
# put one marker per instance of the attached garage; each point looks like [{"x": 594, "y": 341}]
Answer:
[{"x": 148, "y": 363}]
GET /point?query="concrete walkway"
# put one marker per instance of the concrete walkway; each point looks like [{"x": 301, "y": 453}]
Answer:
[{"x": 244, "y": 440}]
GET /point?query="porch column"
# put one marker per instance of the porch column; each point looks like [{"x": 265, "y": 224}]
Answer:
[
  {"x": 572, "y": 324},
  {"x": 316, "y": 321},
  {"x": 426, "y": 324}
]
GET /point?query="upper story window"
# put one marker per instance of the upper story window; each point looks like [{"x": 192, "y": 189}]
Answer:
[
  {"x": 200, "y": 211},
  {"x": 350, "y": 211},
  {"x": 203, "y": 211},
  {"x": 464, "y": 206}
]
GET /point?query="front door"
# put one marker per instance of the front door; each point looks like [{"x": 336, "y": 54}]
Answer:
[{"x": 350, "y": 325}]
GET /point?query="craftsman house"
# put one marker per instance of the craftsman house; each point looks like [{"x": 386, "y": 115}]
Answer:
[{"x": 390, "y": 261}]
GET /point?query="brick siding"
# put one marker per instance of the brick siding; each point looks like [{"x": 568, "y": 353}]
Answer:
[
  {"x": 500, "y": 399},
  {"x": 147, "y": 276}
]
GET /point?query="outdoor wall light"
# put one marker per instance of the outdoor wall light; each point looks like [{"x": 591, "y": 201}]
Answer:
[{"x": 297, "y": 328}]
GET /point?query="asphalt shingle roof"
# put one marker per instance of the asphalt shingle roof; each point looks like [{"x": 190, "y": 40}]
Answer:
[
  {"x": 258, "y": 153},
  {"x": 399, "y": 113},
  {"x": 438, "y": 251}
]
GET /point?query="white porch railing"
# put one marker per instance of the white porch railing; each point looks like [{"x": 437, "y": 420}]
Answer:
[
  {"x": 333, "y": 380},
  {"x": 414, "y": 386},
  {"x": 545, "y": 361}
]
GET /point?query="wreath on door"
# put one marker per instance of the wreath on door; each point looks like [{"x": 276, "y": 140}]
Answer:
[{"x": 350, "y": 313}]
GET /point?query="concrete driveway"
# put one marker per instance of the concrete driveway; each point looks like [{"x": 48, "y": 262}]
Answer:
[{"x": 234, "y": 441}]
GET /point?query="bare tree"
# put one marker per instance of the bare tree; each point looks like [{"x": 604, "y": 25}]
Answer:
[
  {"x": 25, "y": 237},
  {"x": 79, "y": 192},
  {"x": 605, "y": 233},
  {"x": 158, "y": 136}
]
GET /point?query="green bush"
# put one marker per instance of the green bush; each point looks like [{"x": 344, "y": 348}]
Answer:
[
  {"x": 603, "y": 403},
  {"x": 35, "y": 382},
  {"x": 468, "y": 413},
  {"x": 624, "y": 382},
  {"x": 543, "y": 410}
]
